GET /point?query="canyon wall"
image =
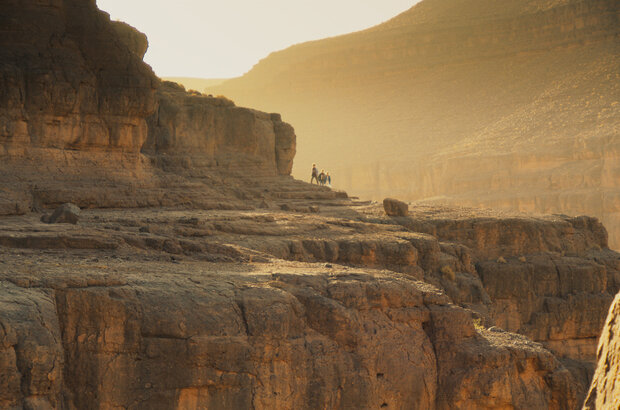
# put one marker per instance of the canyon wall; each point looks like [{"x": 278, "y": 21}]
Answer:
[
  {"x": 83, "y": 119},
  {"x": 462, "y": 102},
  {"x": 68, "y": 82},
  {"x": 210, "y": 132},
  {"x": 550, "y": 278},
  {"x": 297, "y": 339},
  {"x": 269, "y": 308},
  {"x": 219, "y": 281},
  {"x": 605, "y": 390}
]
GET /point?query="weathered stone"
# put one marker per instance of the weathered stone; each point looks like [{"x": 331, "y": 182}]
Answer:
[
  {"x": 287, "y": 340},
  {"x": 195, "y": 131},
  {"x": 394, "y": 207},
  {"x": 133, "y": 39},
  {"x": 264, "y": 205},
  {"x": 205, "y": 308},
  {"x": 605, "y": 389},
  {"x": 75, "y": 97},
  {"x": 69, "y": 81}
]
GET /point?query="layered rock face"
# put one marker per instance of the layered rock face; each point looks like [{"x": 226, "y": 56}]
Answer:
[
  {"x": 293, "y": 339},
  {"x": 549, "y": 279},
  {"x": 465, "y": 102},
  {"x": 267, "y": 308},
  {"x": 605, "y": 390},
  {"x": 68, "y": 82},
  {"x": 75, "y": 97},
  {"x": 229, "y": 284},
  {"x": 192, "y": 309},
  {"x": 73, "y": 106},
  {"x": 201, "y": 131}
]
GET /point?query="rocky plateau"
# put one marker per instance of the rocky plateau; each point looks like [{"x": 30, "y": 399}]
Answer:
[{"x": 199, "y": 274}]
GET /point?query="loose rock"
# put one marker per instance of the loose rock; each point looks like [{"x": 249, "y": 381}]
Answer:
[{"x": 394, "y": 207}]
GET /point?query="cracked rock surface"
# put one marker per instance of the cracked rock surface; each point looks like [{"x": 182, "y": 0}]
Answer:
[{"x": 264, "y": 308}]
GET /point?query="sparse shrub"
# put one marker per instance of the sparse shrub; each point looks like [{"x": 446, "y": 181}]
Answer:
[
  {"x": 501, "y": 259},
  {"x": 522, "y": 259},
  {"x": 478, "y": 324},
  {"x": 448, "y": 272}
]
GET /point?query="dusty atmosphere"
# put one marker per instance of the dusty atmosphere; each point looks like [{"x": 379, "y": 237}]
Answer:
[
  {"x": 511, "y": 104},
  {"x": 156, "y": 253}
]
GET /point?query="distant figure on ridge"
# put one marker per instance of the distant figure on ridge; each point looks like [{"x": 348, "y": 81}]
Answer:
[
  {"x": 329, "y": 179},
  {"x": 315, "y": 174},
  {"x": 322, "y": 177}
]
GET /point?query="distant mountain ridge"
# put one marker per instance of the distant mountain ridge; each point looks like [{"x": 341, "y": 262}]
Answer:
[{"x": 512, "y": 105}]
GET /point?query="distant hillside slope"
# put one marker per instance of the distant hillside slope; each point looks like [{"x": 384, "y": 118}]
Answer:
[{"x": 511, "y": 104}]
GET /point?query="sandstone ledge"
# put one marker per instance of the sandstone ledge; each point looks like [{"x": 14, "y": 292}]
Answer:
[
  {"x": 183, "y": 308},
  {"x": 279, "y": 335}
]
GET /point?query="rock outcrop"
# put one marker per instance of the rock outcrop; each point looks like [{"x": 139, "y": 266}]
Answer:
[
  {"x": 75, "y": 99},
  {"x": 68, "y": 81},
  {"x": 605, "y": 390},
  {"x": 160, "y": 318},
  {"x": 309, "y": 293},
  {"x": 466, "y": 102},
  {"x": 201, "y": 131},
  {"x": 136, "y": 41},
  {"x": 73, "y": 106}
]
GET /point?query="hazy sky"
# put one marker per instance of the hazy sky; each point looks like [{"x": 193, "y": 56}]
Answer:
[{"x": 225, "y": 38}]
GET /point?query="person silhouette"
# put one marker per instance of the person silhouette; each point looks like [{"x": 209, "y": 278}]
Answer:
[
  {"x": 322, "y": 177},
  {"x": 315, "y": 174}
]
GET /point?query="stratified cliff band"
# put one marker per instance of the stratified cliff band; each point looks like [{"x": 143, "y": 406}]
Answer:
[
  {"x": 199, "y": 274},
  {"x": 83, "y": 119}
]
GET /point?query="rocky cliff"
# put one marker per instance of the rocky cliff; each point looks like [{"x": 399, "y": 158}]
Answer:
[
  {"x": 267, "y": 308},
  {"x": 217, "y": 281},
  {"x": 463, "y": 102},
  {"x": 68, "y": 82},
  {"x": 605, "y": 391},
  {"x": 203, "y": 131},
  {"x": 83, "y": 119}
]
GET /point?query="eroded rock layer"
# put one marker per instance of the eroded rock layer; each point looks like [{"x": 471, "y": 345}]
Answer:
[
  {"x": 512, "y": 105},
  {"x": 68, "y": 82},
  {"x": 218, "y": 281},
  {"x": 605, "y": 390},
  {"x": 193, "y": 130},
  {"x": 84, "y": 120},
  {"x": 186, "y": 309},
  {"x": 271, "y": 308}
]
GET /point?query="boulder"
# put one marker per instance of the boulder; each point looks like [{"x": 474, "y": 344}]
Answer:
[
  {"x": 394, "y": 207},
  {"x": 65, "y": 213}
]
